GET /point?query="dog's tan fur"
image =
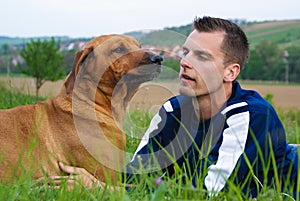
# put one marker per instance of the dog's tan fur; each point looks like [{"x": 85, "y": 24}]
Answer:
[{"x": 81, "y": 126}]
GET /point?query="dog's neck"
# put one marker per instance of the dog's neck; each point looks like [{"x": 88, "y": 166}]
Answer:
[
  {"x": 114, "y": 97},
  {"x": 117, "y": 97}
]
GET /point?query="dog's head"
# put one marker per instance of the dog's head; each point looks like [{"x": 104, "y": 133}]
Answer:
[
  {"x": 106, "y": 74},
  {"x": 112, "y": 60}
]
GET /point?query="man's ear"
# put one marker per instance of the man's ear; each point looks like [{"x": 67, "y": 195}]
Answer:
[
  {"x": 231, "y": 72},
  {"x": 79, "y": 58}
]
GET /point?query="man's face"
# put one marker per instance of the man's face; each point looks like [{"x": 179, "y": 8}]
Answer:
[{"x": 202, "y": 67}]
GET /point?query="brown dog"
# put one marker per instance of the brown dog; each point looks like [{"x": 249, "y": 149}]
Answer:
[{"x": 82, "y": 125}]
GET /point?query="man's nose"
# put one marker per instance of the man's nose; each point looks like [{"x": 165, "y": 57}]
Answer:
[{"x": 185, "y": 64}]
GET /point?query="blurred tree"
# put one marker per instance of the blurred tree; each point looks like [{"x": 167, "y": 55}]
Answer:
[
  {"x": 69, "y": 57},
  {"x": 6, "y": 57},
  {"x": 171, "y": 67},
  {"x": 294, "y": 63},
  {"x": 172, "y": 63},
  {"x": 254, "y": 69},
  {"x": 274, "y": 67},
  {"x": 43, "y": 61}
]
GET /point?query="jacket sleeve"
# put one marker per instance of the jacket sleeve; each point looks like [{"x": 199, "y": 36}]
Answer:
[
  {"x": 232, "y": 147},
  {"x": 161, "y": 146},
  {"x": 148, "y": 156},
  {"x": 266, "y": 143},
  {"x": 247, "y": 139}
]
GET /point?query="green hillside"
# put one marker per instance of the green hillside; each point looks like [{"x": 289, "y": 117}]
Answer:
[
  {"x": 166, "y": 37},
  {"x": 285, "y": 33},
  {"x": 19, "y": 41}
]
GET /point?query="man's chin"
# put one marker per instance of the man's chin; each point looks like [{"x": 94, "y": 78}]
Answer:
[{"x": 187, "y": 91}]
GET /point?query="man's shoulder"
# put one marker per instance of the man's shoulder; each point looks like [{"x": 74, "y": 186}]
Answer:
[
  {"x": 247, "y": 100},
  {"x": 176, "y": 103}
]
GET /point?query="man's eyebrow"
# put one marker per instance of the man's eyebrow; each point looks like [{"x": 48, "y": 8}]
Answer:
[{"x": 202, "y": 53}]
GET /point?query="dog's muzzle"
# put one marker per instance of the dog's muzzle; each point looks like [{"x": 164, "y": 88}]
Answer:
[{"x": 155, "y": 59}]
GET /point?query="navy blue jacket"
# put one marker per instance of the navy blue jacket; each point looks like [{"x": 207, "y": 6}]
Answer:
[{"x": 240, "y": 143}]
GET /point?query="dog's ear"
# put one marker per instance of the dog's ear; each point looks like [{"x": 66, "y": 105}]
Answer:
[{"x": 79, "y": 58}]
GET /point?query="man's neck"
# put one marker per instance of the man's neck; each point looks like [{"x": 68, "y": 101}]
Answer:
[{"x": 211, "y": 104}]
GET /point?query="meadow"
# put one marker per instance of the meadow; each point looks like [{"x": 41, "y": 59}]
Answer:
[{"x": 149, "y": 187}]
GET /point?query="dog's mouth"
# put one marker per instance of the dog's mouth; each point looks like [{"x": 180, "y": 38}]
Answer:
[{"x": 142, "y": 73}]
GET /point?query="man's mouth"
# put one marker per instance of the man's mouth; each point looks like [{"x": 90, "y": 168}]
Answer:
[{"x": 185, "y": 77}]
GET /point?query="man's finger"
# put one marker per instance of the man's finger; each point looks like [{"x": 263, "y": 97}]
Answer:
[
  {"x": 60, "y": 179},
  {"x": 67, "y": 169}
]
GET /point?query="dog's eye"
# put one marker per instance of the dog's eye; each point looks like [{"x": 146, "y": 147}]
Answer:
[{"x": 120, "y": 50}]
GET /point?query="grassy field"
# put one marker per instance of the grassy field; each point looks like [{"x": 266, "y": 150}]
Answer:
[{"x": 149, "y": 188}]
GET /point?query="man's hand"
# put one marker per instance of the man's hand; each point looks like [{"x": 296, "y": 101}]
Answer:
[{"x": 76, "y": 174}]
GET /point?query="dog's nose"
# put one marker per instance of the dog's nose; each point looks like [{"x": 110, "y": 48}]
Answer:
[{"x": 157, "y": 59}]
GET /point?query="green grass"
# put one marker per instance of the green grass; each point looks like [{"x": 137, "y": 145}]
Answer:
[
  {"x": 291, "y": 121},
  {"x": 148, "y": 188},
  {"x": 12, "y": 97}
]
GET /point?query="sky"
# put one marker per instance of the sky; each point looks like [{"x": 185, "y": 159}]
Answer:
[{"x": 89, "y": 18}]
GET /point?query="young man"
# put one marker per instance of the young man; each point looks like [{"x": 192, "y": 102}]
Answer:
[{"x": 222, "y": 132}]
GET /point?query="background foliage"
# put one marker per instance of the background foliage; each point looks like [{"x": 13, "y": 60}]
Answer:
[{"x": 43, "y": 62}]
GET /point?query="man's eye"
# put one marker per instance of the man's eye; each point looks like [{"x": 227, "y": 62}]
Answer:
[
  {"x": 202, "y": 58},
  {"x": 184, "y": 53},
  {"x": 120, "y": 50}
]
